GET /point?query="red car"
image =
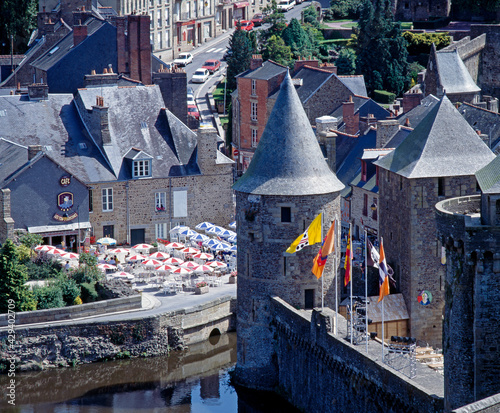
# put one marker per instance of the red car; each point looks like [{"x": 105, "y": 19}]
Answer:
[
  {"x": 257, "y": 19},
  {"x": 193, "y": 111},
  {"x": 212, "y": 65},
  {"x": 245, "y": 25}
]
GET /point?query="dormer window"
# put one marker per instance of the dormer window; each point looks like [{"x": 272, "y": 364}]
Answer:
[{"x": 142, "y": 168}]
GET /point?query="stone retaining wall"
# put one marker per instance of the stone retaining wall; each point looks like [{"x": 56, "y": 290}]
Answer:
[
  {"x": 61, "y": 345},
  {"x": 76, "y": 311}
]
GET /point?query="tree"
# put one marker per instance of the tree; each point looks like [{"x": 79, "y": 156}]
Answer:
[
  {"x": 17, "y": 18},
  {"x": 31, "y": 240},
  {"x": 382, "y": 56},
  {"x": 311, "y": 16},
  {"x": 241, "y": 46},
  {"x": 341, "y": 9},
  {"x": 13, "y": 276},
  {"x": 278, "y": 51},
  {"x": 275, "y": 19},
  {"x": 297, "y": 39},
  {"x": 346, "y": 62}
]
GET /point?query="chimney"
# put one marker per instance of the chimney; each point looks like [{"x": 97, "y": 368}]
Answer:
[
  {"x": 329, "y": 67},
  {"x": 38, "y": 91},
  {"x": 351, "y": 121},
  {"x": 386, "y": 129},
  {"x": 365, "y": 122},
  {"x": 256, "y": 61},
  {"x": 80, "y": 33},
  {"x": 411, "y": 100},
  {"x": 100, "y": 121},
  {"x": 407, "y": 123},
  {"x": 326, "y": 138},
  {"x": 33, "y": 150},
  {"x": 302, "y": 63}
]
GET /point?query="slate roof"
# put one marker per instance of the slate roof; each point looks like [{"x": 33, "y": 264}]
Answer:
[
  {"x": 136, "y": 121},
  {"x": 55, "y": 125},
  {"x": 443, "y": 144},
  {"x": 453, "y": 75},
  {"x": 61, "y": 48},
  {"x": 486, "y": 121},
  {"x": 419, "y": 112},
  {"x": 356, "y": 84},
  {"x": 288, "y": 159},
  {"x": 268, "y": 70},
  {"x": 312, "y": 79},
  {"x": 12, "y": 158},
  {"x": 398, "y": 137},
  {"x": 362, "y": 106},
  {"x": 488, "y": 177}
]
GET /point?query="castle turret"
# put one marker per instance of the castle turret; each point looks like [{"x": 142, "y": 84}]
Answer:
[{"x": 287, "y": 184}]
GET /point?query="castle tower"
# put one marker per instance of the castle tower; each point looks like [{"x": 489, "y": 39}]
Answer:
[
  {"x": 435, "y": 162},
  {"x": 287, "y": 184}
]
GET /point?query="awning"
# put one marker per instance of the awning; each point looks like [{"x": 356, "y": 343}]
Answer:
[
  {"x": 58, "y": 228},
  {"x": 241, "y": 4}
]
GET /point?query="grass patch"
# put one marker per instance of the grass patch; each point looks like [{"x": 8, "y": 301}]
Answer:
[
  {"x": 350, "y": 25},
  {"x": 406, "y": 25},
  {"x": 224, "y": 120}
]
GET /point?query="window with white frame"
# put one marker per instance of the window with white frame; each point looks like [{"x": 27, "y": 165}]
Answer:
[
  {"x": 167, "y": 16},
  {"x": 254, "y": 138},
  {"x": 152, "y": 17},
  {"x": 142, "y": 168},
  {"x": 253, "y": 113},
  {"x": 161, "y": 230},
  {"x": 254, "y": 87},
  {"x": 160, "y": 201},
  {"x": 180, "y": 203},
  {"x": 107, "y": 199},
  {"x": 167, "y": 39},
  {"x": 158, "y": 15},
  {"x": 160, "y": 40}
]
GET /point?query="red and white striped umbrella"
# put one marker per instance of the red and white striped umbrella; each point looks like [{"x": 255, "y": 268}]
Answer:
[
  {"x": 123, "y": 274},
  {"x": 106, "y": 266},
  {"x": 203, "y": 268},
  {"x": 217, "y": 264},
  {"x": 119, "y": 251},
  {"x": 70, "y": 256},
  {"x": 44, "y": 248},
  {"x": 151, "y": 263},
  {"x": 159, "y": 255},
  {"x": 189, "y": 264},
  {"x": 176, "y": 245},
  {"x": 203, "y": 256},
  {"x": 166, "y": 267},
  {"x": 173, "y": 261},
  {"x": 142, "y": 247},
  {"x": 181, "y": 270},
  {"x": 136, "y": 257},
  {"x": 56, "y": 251},
  {"x": 190, "y": 250}
]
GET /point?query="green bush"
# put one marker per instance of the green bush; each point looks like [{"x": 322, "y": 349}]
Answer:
[
  {"x": 48, "y": 296},
  {"x": 41, "y": 269},
  {"x": 70, "y": 290},
  {"x": 420, "y": 43},
  {"x": 382, "y": 96},
  {"x": 341, "y": 9},
  {"x": 89, "y": 293}
]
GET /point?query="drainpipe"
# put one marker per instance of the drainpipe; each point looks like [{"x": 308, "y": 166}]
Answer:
[{"x": 128, "y": 214}]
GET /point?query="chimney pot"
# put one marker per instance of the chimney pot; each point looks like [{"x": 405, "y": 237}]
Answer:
[
  {"x": 33, "y": 150},
  {"x": 105, "y": 71},
  {"x": 92, "y": 72}
]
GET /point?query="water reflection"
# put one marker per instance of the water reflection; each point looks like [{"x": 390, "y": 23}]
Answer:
[{"x": 196, "y": 380}]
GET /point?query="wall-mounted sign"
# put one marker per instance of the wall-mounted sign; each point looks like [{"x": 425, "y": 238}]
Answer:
[
  {"x": 65, "y": 180},
  {"x": 65, "y": 217},
  {"x": 65, "y": 201},
  {"x": 425, "y": 297}
]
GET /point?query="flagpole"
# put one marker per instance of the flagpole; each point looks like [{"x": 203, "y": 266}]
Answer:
[
  {"x": 383, "y": 336},
  {"x": 337, "y": 253},
  {"x": 322, "y": 277},
  {"x": 366, "y": 288},
  {"x": 350, "y": 270}
]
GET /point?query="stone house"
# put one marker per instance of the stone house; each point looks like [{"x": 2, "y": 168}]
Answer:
[
  {"x": 437, "y": 160},
  {"x": 146, "y": 171}
]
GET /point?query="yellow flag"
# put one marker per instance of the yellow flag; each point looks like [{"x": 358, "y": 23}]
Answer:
[{"x": 311, "y": 236}]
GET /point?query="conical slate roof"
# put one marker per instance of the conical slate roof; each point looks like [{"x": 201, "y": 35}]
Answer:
[
  {"x": 443, "y": 144},
  {"x": 288, "y": 159},
  {"x": 488, "y": 177}
]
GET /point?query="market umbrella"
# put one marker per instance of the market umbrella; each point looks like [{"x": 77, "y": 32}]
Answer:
[
  {"x": 203, "y": 256},
  {"x": 203, "y": 268},
  {"x": 44, "y": 248},
  {"x": 226, "y": 233},
  {"x": 151, "y": 263},
  {"x": 199, "y": 237},
  {"x": 204, "y": 225},
  {"x": 189, "y": 264},
  {"x": 159, "y": 255},
  {"x": 232, "y": 225},
  {"x": 215, "y": 230},
  {"x": 178, "y": 228},
  {"x": 136, "y": 257},
  {"x": 187, "y": 232},
  {"x": 233, "y": 238},
  {"x": 211, "y": 242},
  {"x": 106, "y": 266},
  {"x": 234, "y": 248},
  {"x": 70, "y": 256},
  {"x": 142, "y": 247},
  {"x": 123, "y": 274},
  {"x": 56, "y": 251},
  {"x": 166, "y": 267},
  {"x": 181, "y": 270},
  {"x": 176, "y": 245},
  {"x": 173, "y": 261},
  {"x": 190, "y": 250},
  {"x": 221, "y": 246},
  {"x": 106, "y": 241},
  {"x": 217, "y": 264},
  {"x": 119, "y": 251}
]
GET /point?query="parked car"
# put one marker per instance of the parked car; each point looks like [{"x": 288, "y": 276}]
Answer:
[
  {"x": 228, "y": 53},
  {"x": 200, "y": 76},
  {"x": 190, "y": 99},
  {"x": 193, "y": 111},
  {"x": 285, "y": 5},
  {"x": 212, "y": 65},
  {"x": 184, "y": 59},
  {"x": 245, "y": 25},
  {"x": 257, "y": 19}
]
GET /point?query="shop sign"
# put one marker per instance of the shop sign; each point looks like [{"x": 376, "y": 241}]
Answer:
[
  {"x": 65, "y": 217},
  {"x": 65, "y": 180},
  {"x": 65, "y": 201}
]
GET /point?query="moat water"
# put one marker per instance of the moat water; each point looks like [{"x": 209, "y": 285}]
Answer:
[{"x": 197, "y": 380}]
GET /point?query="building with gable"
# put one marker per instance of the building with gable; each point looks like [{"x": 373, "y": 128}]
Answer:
[
  {"x": 437, "y": 160},
  {"x": 146, "y": 171},
  {"x": 287, "y": 184}
]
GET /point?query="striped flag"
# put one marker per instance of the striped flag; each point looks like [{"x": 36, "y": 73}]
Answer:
[
  {"x": 383, "y": 274},
  {"x": 327, "y": 247},
  {"x": 348, "y": 260},
  {"x": 311, "y": 236}
]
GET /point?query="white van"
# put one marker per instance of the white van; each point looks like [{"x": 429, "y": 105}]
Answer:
[{"x": 285, "y": 5}]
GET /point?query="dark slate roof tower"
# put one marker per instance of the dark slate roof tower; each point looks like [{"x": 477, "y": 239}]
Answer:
[
  {"x": 287, "y": 184},
  {"x": 436, "y": 161}
]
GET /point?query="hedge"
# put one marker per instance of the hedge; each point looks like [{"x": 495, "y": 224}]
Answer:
[{"x": 382, "y": 96}]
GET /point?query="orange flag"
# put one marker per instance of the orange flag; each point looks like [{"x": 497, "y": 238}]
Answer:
[{"x": 348, "y": 260}]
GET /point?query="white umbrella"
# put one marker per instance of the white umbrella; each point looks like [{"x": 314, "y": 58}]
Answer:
[
  {"x": 181, "y": 270},
  {"x": 226, "y": 233},
  {"x": 203, "y": 268},
  {"x": 142, "y": 247},
  {"x": 123, "y": 274},
  {"x": 178, "y": 228},
  {"x": 215, "y": 230},
  {"x": 119, "y": 251},
  {"x": 217, "y": 264},
  {"x": 44, "y": 248},
  {"x": 204, "y": 225},
  {"x": 173, "y": 261},
  {"x": 70, "y": 256},
  {"x": 233, "y": 238},
  {"x": 106, "y": 241},
  {"x": 151, "y": 263},
  {"x": 232, "y": 225},
  {"x": 189, "y": 264},
  {"x": 190, "y": 250},
  {"x": 221, "y": 246},
  {"x": 211, "y": 242},
  {"x": 176, "y": 245},
  {"x": 136, "y": 257},
  {"x": 187, "y": 232},
  {"x": 203, "y": 256},
  {"x": 56, "y": 251},
  {"x": 234, "y": 248},
  {"x": 106, "y": 266},
  {"x": 199, "y": 237},
  {"x": 166, "y": 268},
  {"x": 159, "y": 255}
]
